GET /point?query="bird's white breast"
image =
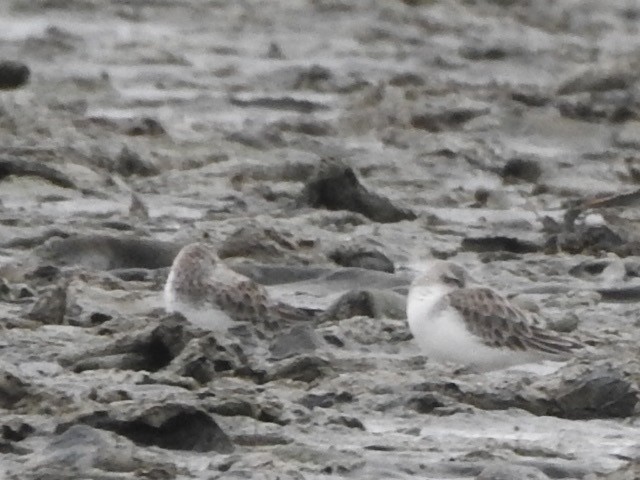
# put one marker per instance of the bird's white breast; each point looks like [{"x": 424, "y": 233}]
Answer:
[
  {"x": 443, "y": 336},
  {"x": 205, "y": 315}
]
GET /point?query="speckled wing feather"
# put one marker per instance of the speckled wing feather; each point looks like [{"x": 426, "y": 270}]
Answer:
[
  {"x": 244, "y": 301},
  {"x": 249, "y": 301},
  {"x": 498, "y": 323}
]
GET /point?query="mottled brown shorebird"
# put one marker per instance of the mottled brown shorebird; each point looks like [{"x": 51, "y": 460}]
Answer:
[
  {"x": 212, "y": 296},
  {"x": 476, "y": 326}
]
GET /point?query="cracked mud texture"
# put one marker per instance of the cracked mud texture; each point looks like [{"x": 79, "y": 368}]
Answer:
[{"x": 504, "y": 135}]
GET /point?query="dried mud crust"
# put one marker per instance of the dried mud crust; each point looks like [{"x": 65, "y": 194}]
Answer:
[{"x": 323, "y": 146}]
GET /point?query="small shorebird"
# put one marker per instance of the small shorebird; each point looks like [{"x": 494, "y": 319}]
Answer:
[
  {"x": 212, "y": 296},
  {"x": 475, "y": 326}
]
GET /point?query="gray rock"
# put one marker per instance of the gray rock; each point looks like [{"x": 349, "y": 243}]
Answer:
[
  {"x": 361, "y": 257},
  {"x": 511, "y": 472},
  {"x": 105, "y": 252},
  {"x": 335, "y": 186},
  {"x": 95, "y": 453},
  {"x": 173, "y": 426},
  {"x": 12, "y": 387},
  {"x": 298, "y": 340}
]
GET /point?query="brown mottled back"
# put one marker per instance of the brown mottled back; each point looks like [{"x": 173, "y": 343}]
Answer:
[{"x": 498, "y": 323}]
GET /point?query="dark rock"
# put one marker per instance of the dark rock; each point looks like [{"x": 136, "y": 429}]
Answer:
[
  {"x": 349, "y": 422},
  {"x": 279, "y": 103},
  {"x": 303, "y": 369},
  {"x": 12, "y": 388},
  {"x": 511, "y": 472},
  {"x": 597, "y": 394},
  {"x": 94, "y": 452},
  {"x": 46, "y": 273},
  {"x": 335, "y": 186},
  {"x": 51, "y": 306},
  {"x": 499, "y": 244},
  {"x": 235, "y": 407},
  {"x": 16, "y": 431},
  {"x": 136, "y": 126},
  {"x": 13, "y": 74},
  {"x": 261, "y": 439},
  {"x": 531, "y": 98},
  {"x": 361, "y": 257},
  {"x": 275, "y": 52},
  {"x": 129, "y": 163},
  {"x": 103, "y": 252},
  {"x": 521, "y": 169},
  {"x": 448, "y": 119},
  {"x": 20, "y": 167},
  {"x": 373, "y": 303},
  {"x": 601, "y": 393},
  {"x": 484, "y": 52},
  {"x": 298, "y": 340},
  {"x": 172, "y": 426},
  {"x": 615, "y": 106},
  {"x": 407, "y": 79},
  {"x": 313, "y": 400},
  {"x": 351, "y": 304},
  {"x": 205, "y": 358},
  {"x": 590, "y": 239},
  {"x": 172, "y": 344},
  {"x": 315, "y": 128},
  {"x": 258, "y": 242},
  {"x": 598, "y": 80},
  {"x": 589, "y": 268},
  {"x": 622, "y": 294},
  {"x": 424, "y": 403},
  {"x": 315, "y": 77},
  {"x": 133, "y": 274}
]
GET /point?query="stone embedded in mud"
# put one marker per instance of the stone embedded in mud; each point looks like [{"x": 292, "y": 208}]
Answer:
[
  {"x": 16, "y": 430},
  {"x": 596, "y": 394},
  {"x": 95, "y": 453},
  {"x": 303, "y": 369},
  {"x": 258, "y": 242},
  {"x": 172, "y": 344},
  {"x": 51, "y": 307},
  {"x": 351, "y": 304},
  {"x": 298, "y": 340},
  {"x": 106, "y": 252},
  {"x": 591, "y": 239},
  {"x": 601, "y": 393},
  {"x": 129, "y": 162},
  {"x": 204, "y": 358},
  {"x": 361, "y": 257},
  {"x": 511, "y": 472},
  {"x": 451, "y": 118},
  {"x": 521, "y": 169},
  {"x": 424, "y": 403},
  {"x": 21, "y": 167},
  {"x": 499, "y": 244},
  {"x": 12, "y": 387},
  {"x": 13, "y": 74},
  {"x": 615, "y": 106},
  {"x": 173, "y": 426},
  {"x": 373, "y": 303},
  {"x": 335, "y": 186}
]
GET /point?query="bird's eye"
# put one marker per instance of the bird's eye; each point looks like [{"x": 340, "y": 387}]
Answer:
[{"x": 452, "y": 280}]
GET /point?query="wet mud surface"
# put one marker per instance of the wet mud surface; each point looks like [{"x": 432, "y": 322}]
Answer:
[{"x": 323, "y": 148}]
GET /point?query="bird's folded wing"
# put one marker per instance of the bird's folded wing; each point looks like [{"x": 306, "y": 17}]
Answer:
[
  {"x": 499, "y": 323},
  {"x": 244, "y": 301}
]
